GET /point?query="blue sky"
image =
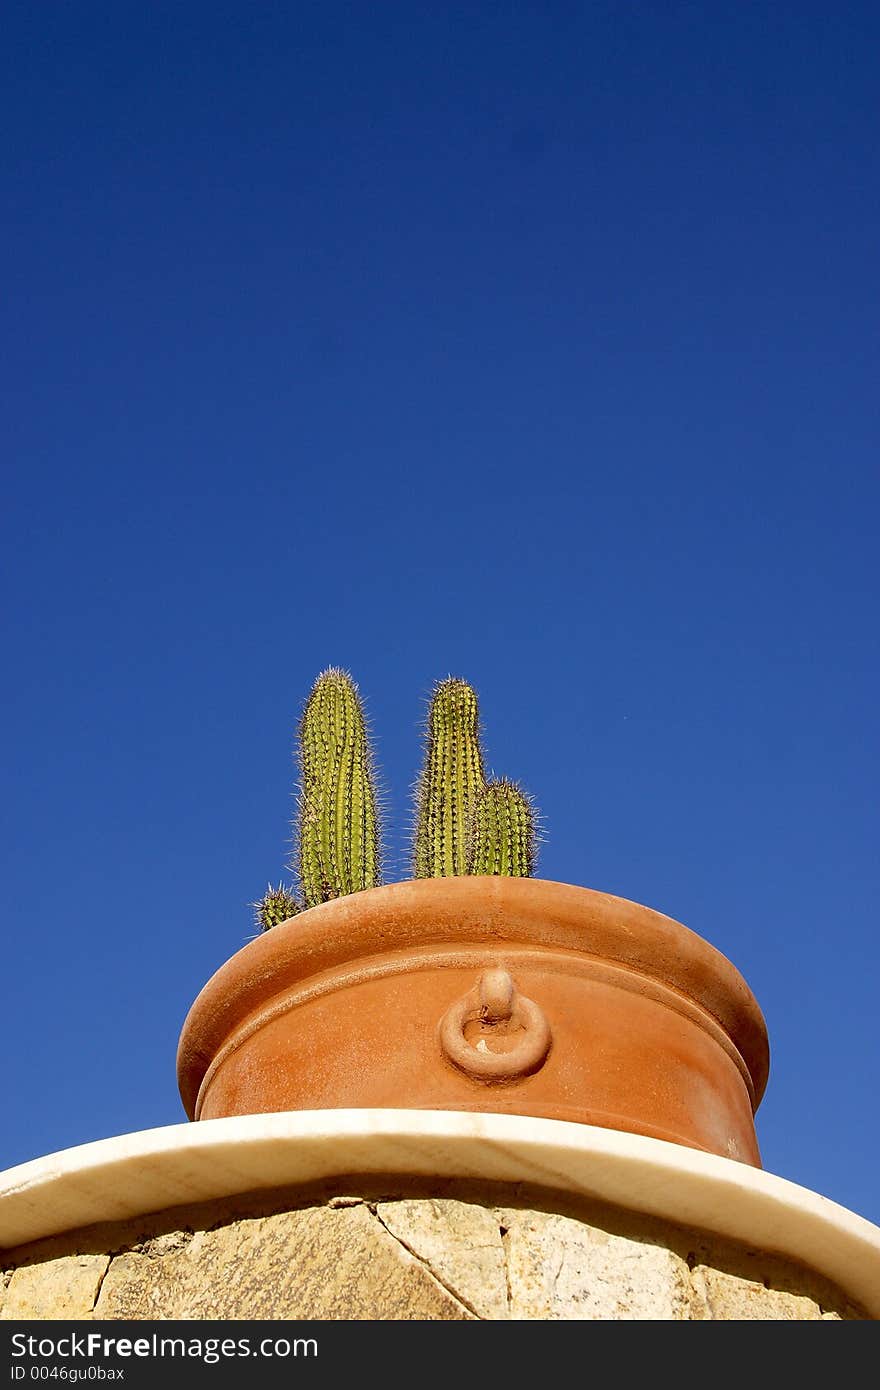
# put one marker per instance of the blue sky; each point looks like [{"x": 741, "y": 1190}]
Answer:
[{"x": 531, "y": 343}]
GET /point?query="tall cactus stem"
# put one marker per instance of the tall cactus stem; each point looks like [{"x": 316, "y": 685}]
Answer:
[
  {"x": 337, "y": 831},
  {"x": 452, "y": 780}
]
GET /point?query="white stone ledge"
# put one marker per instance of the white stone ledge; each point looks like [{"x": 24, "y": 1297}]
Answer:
[{"x": 135, "y": 1174}]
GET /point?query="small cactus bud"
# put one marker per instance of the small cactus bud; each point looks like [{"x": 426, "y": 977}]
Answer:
[{"x": 276, "y": 905}]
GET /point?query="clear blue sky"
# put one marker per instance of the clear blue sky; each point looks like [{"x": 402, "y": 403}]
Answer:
[{"x": 535, "y": 343}]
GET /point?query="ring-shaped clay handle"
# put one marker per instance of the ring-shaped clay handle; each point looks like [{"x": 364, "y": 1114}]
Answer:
[{"x": 495, "y": 1000}]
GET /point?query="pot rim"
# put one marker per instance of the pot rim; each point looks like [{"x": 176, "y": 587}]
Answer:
[{"x": 482, "y": 911}]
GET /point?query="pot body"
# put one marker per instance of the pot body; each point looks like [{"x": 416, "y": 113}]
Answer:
[{"x": 485, "y": 994}]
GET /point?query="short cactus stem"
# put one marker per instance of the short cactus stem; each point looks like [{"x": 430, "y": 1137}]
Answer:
[
  {"x": 502, "y": 838},
  {"x": 276, "y": 905},
  {"x": 338, "y": 824},
  {"x": 452, "y": 780}
]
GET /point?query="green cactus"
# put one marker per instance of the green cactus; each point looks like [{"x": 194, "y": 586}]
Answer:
[
  {"x": 502, "y": 832},
  {"x": 276, "y": 905},
  {"x": 452, "y": 780},
  {"x": 338, "y": 830}
]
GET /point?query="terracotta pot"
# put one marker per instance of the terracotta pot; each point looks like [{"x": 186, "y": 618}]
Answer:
[{"x": 492, "y": 994}]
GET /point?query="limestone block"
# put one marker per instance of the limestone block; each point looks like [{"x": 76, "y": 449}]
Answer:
[
  {"x": 63, "y": 1288},
  {"x": 718, "y": 1295},
  {"x": 409, "y": 1258},
  {"x": 320, "y": 1262},
  {"x": 460, "y": 1242},
  {"x": 559, "y": 1268}
]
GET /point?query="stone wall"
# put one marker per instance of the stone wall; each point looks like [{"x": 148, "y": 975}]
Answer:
[{"x": 454, "y": 1253}]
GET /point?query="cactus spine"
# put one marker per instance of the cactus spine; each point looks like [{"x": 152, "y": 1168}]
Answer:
[
  {"x": 276, "y": 905},
  {"x": 452, "y": 780},
  {"x": 502, "y": 839},
  {"x": 338, "y": 824}
]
